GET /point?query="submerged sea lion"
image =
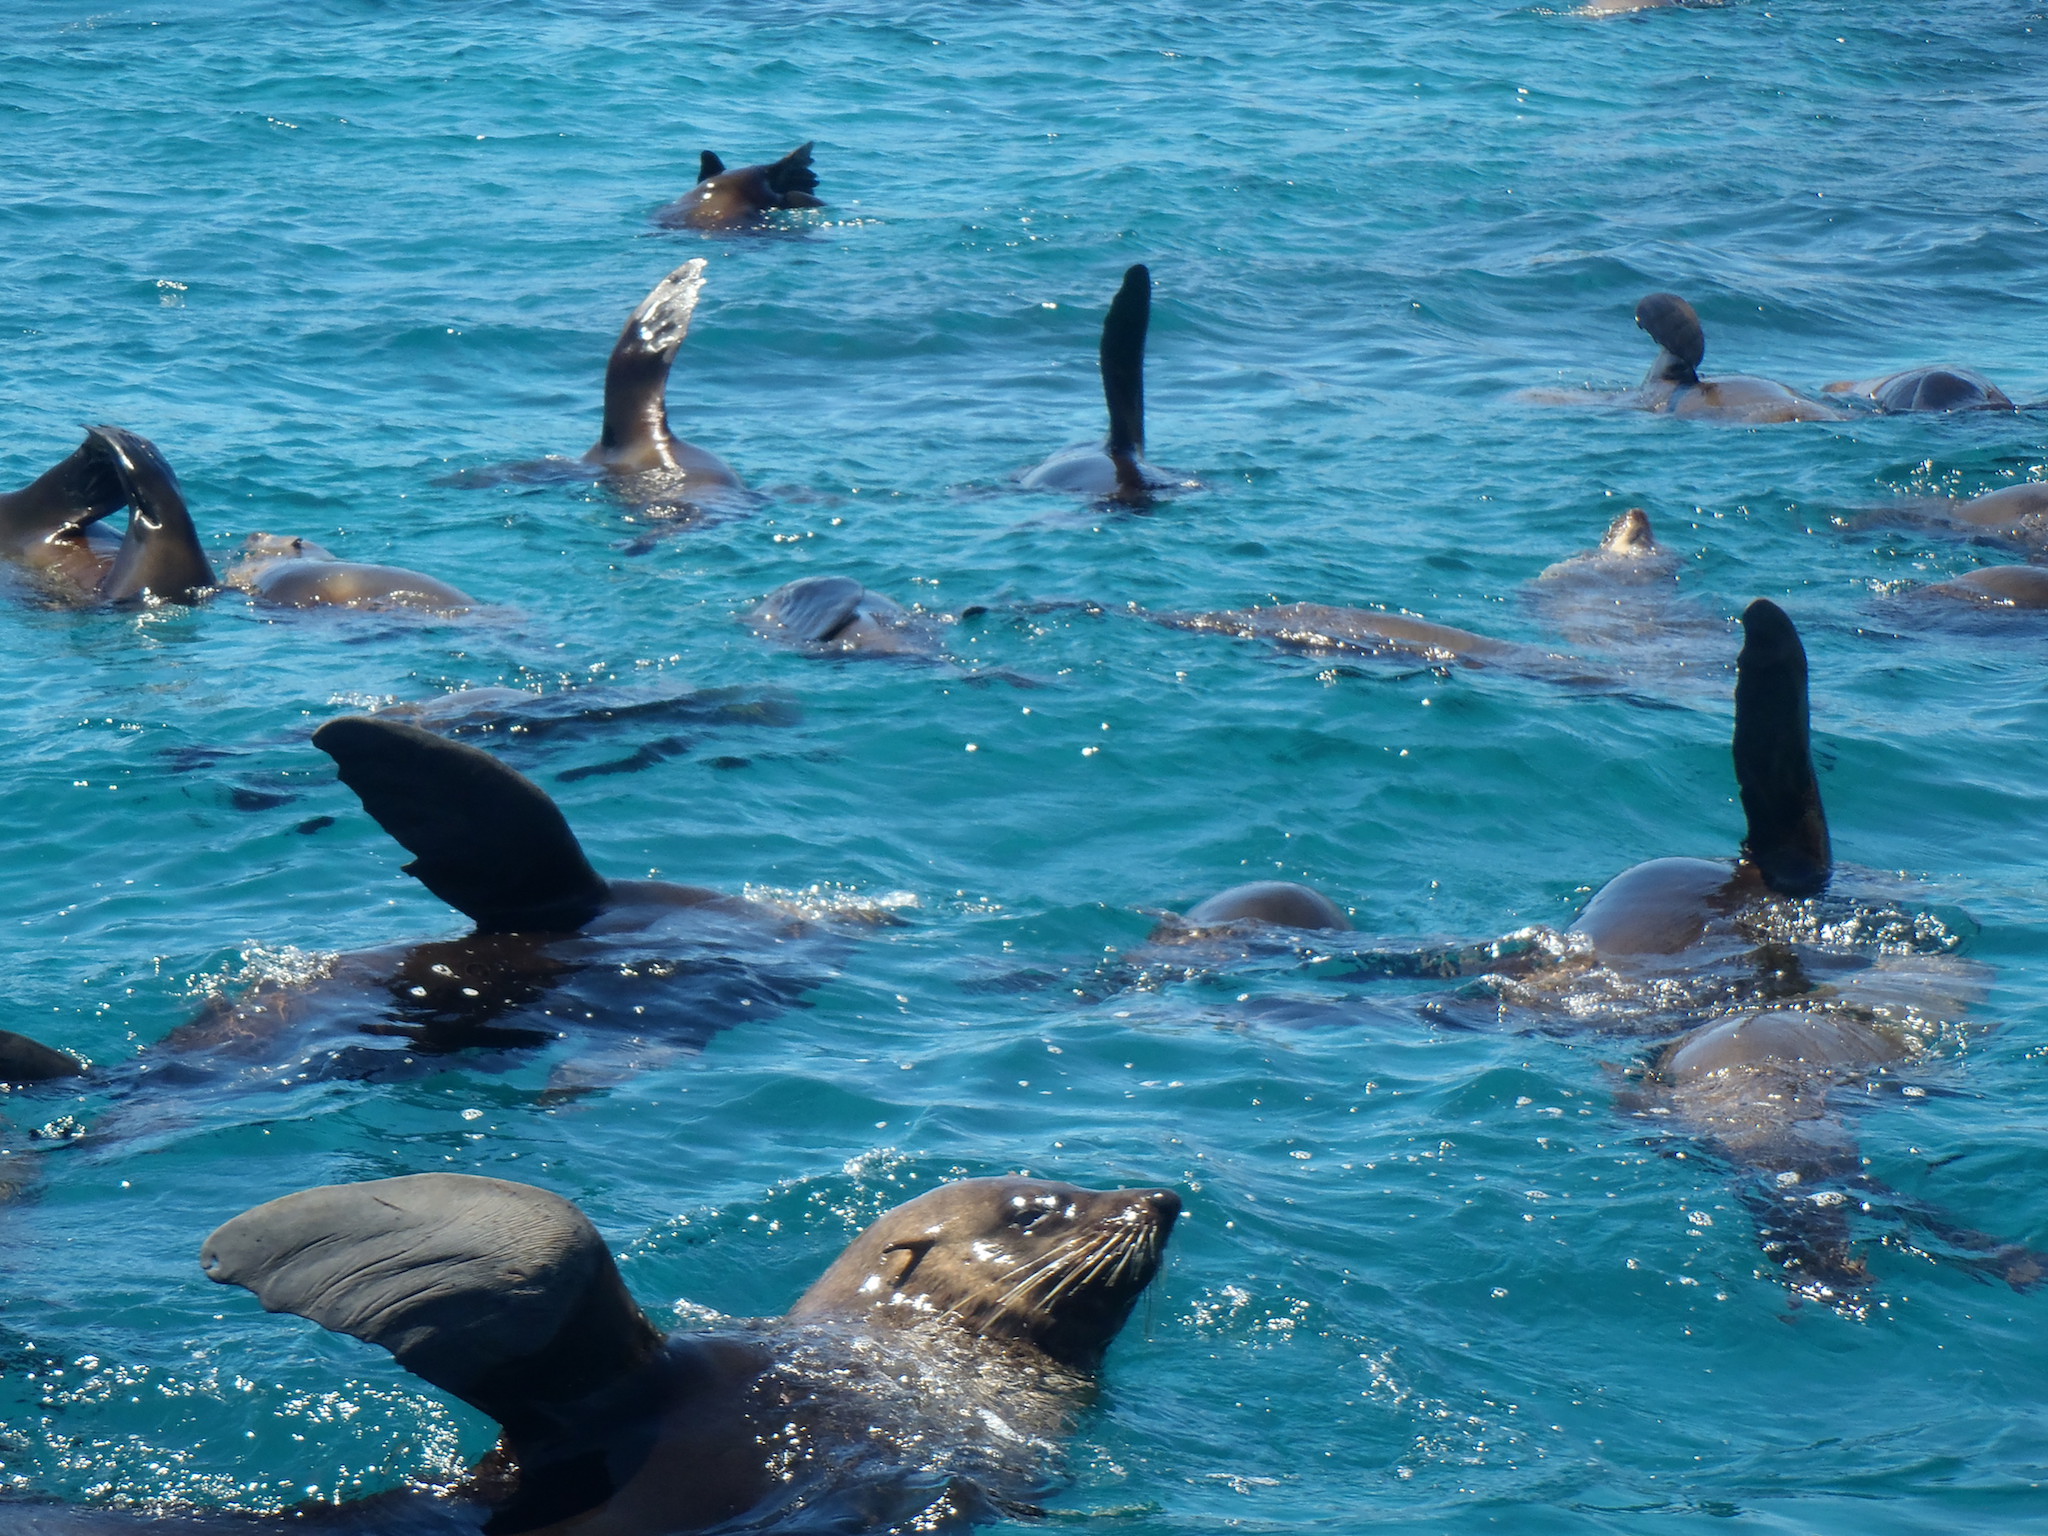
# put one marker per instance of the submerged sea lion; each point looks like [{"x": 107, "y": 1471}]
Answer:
[
  {"x": 1673, "y": 384},
  {"x": 555, "y": 945},
  {"x": 1998, "y": 586},
  {"x": 837, "y": 615},
  {"x": 1117, "y": 470},
  {"x": 918, "y": 1383},
  {"x": 1756, "y": 1087},
  {"x": 1628, "y": 552},
  {"x": 1663, "y": 906},
  {"x": 1925, "y": 389},
  {"x": 724, "y": 199},
  {"x": 1275, "y": 903},
  {"x": 285, "y": 572},
  {"x": 51, "y": 525}
]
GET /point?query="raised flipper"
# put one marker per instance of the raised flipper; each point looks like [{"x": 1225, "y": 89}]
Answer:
[
  {"x": 792, "y": 179},
  {"x": 485, "y": 839},
  {"x": 709, "y": 165},
  {"x": 1123, "y": 375},
  {"x": 23, "y": 1060},
  {"x": 83, "y": 488},
  {"x": 815, "y": 608},
  {"x": 160, "y": 556},
  {"x": 636, "y": 431},
  {"x": 1787, "y": 839},
  {"x": 1675, "y": 326},
  {"x": 499, "y": 1293}
]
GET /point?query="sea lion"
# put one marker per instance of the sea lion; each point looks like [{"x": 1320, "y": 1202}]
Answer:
[
  {"x": 1117, "y": 469},
  {"x": 1275, "y": 903},
  {"x": 1756, "y": 1087},
  {"x": 1627, "y": 552},
  {"x": 51, "y": 525},
  {"x": 724, "y": 199},
  {"x": 636, "y": 439},
  {"x": 554, "y": 944},
  {"x": 1663, "y": 906},
  {"x": 919, "y": 1379},
  {"x": 283, "y": 572},
  {"x": 1674, "y": 386},
  {"x": 836, "y": 615},
  {"x": 1925, "y": 389},
  {"x": 1998, "y": 586}
]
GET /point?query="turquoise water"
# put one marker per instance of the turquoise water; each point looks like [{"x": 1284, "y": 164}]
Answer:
[{"x": 1433, "y": 1276}]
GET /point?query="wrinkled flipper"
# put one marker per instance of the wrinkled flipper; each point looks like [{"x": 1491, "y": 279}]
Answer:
[
  {"x": 792, "y": 179},
  {"x": 485, "y": 839},
  {"x": 815, "y": 608},
  {"x": 636, "y": 378},
  {"x": 499, "y": 1293},
  {"x": 708, "y": 166},
  {"x": 23, "y": 1060},
  {"x": 1788, "y": 829},
  {"x": 160, "y": 556},
  {"x": 80, "y": 490}
]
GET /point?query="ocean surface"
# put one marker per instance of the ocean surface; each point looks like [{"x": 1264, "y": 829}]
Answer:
[{"x": 1437, "y": 1275}]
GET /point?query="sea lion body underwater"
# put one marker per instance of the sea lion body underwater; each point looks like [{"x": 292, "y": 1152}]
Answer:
[
  {"x": 1663, "y": 906},
  {"x": 837, "y": 615},
  {"x": 280, "y": 571},
  {"x": 1674, "y": 386},
  {"x": 1116, "y": 470},
  {"x": 554, "y": 945},
  {"x": 51, "y": 526},
  {"x": 1934, "y": 389},
  {"x": 1273, "y": 903},
  {"x": 920, "y": 1377},
  {"x": 724, "y": 199}
]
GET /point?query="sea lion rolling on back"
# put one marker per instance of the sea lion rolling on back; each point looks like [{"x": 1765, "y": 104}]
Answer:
[
  {"x": 636, "y": 438},
  {"x": 1662, "y": 906},
  {"x": 837, "y": 615},
  {"x": 724, "y": 199},
  {"x": 1116, "y": 470},
  {"x": 51, "y": 525},
  {"x": 1674, "y": 386}
]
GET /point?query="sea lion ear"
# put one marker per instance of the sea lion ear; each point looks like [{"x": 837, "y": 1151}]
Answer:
[
  {"x": 499, "y": 1293},
  {"x": 1788, "y": 828},
  {"x": 709, "y": 165},
  {"x": 913, "y": 1251},
  {"x": 815, "y": 608},
  {"x": 1675, "y": 326},
  {"x": 486, "y": 840}
]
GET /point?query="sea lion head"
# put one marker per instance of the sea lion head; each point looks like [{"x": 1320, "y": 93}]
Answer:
[
  {"x": 1675, "y": 326},
  {"x": 283, "y": 546},
  {"x": 1629, "y": 534},
  {"x": 1045, "y": 1264}
]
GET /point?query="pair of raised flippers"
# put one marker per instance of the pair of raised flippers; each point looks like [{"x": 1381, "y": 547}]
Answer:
[{"x": 54, "y": 525}]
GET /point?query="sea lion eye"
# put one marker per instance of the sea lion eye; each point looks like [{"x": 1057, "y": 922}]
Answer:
[{"x": 1027, "y": 1217}]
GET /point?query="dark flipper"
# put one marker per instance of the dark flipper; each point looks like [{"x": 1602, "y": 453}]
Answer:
[
  {"x": 82, "y": 489},
  {"x": 1675, "y": 326},
  {"x": 1788, "y": 829},
  {"x": 23, "y": 1060},
  {"x": 792, "y": 179},
  {"x": 160, "y": 556},
  {"x": 636, "y": 378},
  {"x": 709, "y": 165},
  {"x": 499, "y": 1293},
  {"x": 815, "y": 608},
  {"x": 1123, "y": 365},
  {"x": 486, "y": 840}
]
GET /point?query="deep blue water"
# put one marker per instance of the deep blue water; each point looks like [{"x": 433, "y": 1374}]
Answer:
[{"x": 1433, "y": 1277}]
